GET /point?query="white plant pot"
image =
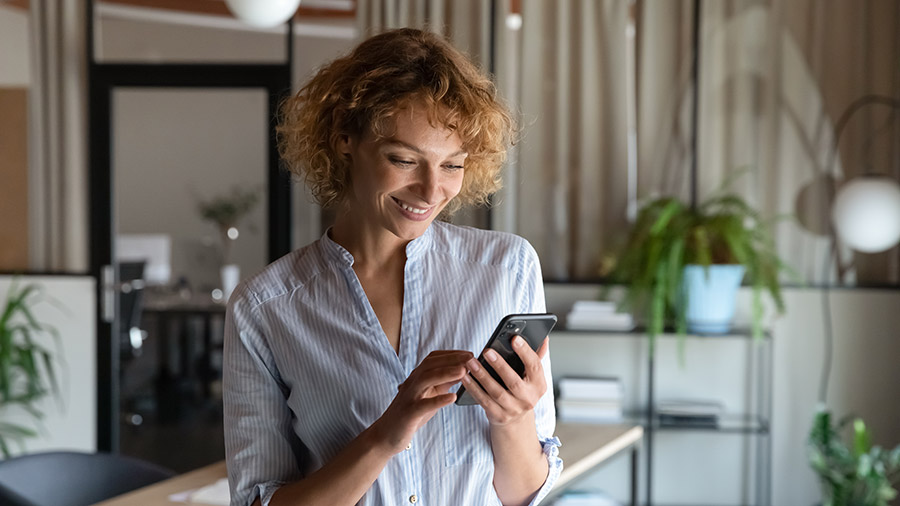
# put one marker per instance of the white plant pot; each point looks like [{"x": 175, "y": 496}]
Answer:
[{"x": 231, "y": 276}]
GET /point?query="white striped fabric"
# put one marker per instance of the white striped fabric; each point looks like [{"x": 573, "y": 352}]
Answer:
[{"x": 308, "y": 367}]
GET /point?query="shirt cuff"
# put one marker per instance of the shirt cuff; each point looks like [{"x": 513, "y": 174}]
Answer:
[
  {"x": 555, "y": 464},
  {"x": 267, "y": 490}
]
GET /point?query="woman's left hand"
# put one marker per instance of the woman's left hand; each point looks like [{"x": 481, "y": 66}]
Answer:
[{"x": 503, "y": 406}]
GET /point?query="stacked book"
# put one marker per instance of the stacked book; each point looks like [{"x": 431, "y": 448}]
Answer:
[
  {"x": 585, "y": 498},
  {"x": 591, "y": 400},
  {"x": 598, "y": 315},
  {"x": 689, "y": 412}
]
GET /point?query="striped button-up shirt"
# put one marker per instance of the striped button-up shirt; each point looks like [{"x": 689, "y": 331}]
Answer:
[{"x": 308, "y": 366}]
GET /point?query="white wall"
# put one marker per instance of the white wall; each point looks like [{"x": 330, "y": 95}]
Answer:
[
  {"x": 15, "y": 48},
  {"x": 71, "y": 421},
  {"x": 700, "y": 467}
]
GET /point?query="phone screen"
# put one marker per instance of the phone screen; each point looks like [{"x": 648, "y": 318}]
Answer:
[{"x": 534, "y": 328}]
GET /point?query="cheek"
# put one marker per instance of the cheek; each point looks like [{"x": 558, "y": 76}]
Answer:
[{"x": 456, "y": 184}]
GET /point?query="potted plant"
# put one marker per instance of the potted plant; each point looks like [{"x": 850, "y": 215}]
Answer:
[
  {"x": 27, "y": 370},
  {"x": 682, "y": 265},
  {"x": 226, "y": 211},
  {"x": 855, "y": 475}
]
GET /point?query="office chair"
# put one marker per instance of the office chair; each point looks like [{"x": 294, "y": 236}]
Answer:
[{"x": 73, "y": 478}]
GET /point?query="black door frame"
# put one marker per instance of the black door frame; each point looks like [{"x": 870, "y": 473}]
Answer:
[{"x": 103, "y": 79}]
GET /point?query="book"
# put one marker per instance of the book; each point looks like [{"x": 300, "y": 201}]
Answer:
[
  {"x": 623, "y": 322},
  {"x": 585, "y": 498},
  {"x": 590, "y": 388},
  {"x": 690, "y": 407},
  {"x": 593, "y": 306},
  {"x": 568, "y": 410}
]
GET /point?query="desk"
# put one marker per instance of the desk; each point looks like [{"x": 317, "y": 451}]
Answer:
[
  {"x": 587, "y": 446},
  {"x": 158, "y": 493},
  {"x": 584, "y": 448}
]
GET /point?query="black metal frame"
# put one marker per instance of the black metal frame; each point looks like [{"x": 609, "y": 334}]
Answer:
[{"x": 103, "y": 78}]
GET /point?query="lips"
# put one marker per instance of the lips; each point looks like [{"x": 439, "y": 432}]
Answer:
[{"x": 413, "y": 212}]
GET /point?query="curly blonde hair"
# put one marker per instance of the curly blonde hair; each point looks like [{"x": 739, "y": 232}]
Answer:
[{"x": 366, "y": 88}]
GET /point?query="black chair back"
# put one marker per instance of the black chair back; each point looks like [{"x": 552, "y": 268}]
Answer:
[{"x": 73, "y": 478}]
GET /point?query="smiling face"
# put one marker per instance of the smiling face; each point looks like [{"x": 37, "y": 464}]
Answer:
[{"x": 400, "y": 183}]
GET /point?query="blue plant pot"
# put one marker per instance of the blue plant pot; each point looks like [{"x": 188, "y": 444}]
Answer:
[{"x": 711, "y": 294}]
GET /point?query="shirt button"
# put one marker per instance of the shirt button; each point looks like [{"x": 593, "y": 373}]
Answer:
[
  {"x": 409, "y": 446},
  {"x": 413, "y": 499}
]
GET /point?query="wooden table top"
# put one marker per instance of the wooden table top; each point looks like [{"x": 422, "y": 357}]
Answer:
[
  {"x": 158, "y": 493},
  {"x": 584, "y": 446}
]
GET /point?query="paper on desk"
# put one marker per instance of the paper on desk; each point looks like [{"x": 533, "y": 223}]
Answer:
[{"x": 216, "y": 494}]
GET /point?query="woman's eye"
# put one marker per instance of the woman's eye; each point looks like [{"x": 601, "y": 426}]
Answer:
[
  {"x": 402, "y": 162},
  {"x": 453, "y": 167}
]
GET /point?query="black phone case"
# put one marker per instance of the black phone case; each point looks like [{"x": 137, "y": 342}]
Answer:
[{"x": 532, "y": 327}]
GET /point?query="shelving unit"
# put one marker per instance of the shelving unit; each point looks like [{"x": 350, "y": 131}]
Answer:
[{"x": 754, "y": 424}]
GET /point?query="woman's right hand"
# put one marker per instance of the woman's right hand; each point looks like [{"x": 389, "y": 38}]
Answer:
[{"x": 420, "y": 396}]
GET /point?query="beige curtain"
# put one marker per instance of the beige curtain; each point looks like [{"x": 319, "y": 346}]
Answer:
[
  {"x": 774, "y": 77},
  {"x": 58, "y": 183},
  {"x": 572, "y": 164}
]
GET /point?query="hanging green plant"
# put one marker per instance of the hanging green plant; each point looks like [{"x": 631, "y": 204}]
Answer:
[{"x": 27, "y": 365}]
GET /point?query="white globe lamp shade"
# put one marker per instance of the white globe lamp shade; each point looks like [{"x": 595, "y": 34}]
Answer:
[
  {"x": 866, "y": 213},
  {"x": 263, "y": 13}
]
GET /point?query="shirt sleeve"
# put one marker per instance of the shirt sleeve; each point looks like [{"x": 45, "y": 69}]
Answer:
[
  {"x": 531, "y": 300},
  {"x": 261, "y": 447}
]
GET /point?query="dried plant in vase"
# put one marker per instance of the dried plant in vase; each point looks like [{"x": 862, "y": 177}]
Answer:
[{"x": 226, "y": 211}]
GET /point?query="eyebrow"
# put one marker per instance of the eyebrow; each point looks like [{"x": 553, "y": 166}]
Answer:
[{"x": 397, "y": 142}]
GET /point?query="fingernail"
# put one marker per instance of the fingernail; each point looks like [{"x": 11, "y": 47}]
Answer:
[
  {"x": 491, "y": 355},
  {"x": 466, "y": 379},
  {"x": 473, "y": 364},
  {"x": 518, "y": 341}
]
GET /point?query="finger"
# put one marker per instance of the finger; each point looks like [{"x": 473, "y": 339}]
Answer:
[
  {"x": 428, "y": 406},
  {"x": 514, "y": 383},
  {"x": 488, "y": 383},
  {"x": 531, "y": 359},
  {"x": 544, "y": 349},
  {"x": 445, "y": 358},
  {"x": 446, "y": 353},
  {"x": 480, "y": 396},
  {"x": 433, "y": 378}
]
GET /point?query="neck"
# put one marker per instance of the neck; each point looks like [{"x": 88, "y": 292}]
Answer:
[{"x": 372, "y": 249}]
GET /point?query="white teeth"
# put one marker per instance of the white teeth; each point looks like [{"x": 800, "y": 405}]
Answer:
[{"x": 414, "y": 210}]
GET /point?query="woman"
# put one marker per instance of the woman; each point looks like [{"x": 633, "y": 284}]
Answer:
[{"x": 342, "y": 358}]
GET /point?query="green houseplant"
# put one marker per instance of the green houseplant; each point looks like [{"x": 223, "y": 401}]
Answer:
[
  {"x": 669, "y": 236},
  {"x": 27, "y": 365},
  {"x": 851, "y": 475}
]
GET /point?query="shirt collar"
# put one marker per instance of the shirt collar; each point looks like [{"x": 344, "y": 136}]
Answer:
[{"x": 414, "y": 248}]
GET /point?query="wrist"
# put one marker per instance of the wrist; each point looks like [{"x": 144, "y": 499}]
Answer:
[
  {"x": 379, "y": 441},
  {"x": 515, "y": 426}
]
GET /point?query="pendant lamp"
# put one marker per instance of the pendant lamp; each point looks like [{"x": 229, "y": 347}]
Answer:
[{"x": 263, "y": 13}]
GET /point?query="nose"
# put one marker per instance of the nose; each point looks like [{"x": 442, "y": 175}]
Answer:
[{"x": 429, "y": 183}]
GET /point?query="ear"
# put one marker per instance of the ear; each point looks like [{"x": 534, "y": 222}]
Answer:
[{"x": 345, "y": 145}]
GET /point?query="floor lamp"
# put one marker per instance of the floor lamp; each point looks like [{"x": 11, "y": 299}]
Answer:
[{"x": 865, "y": 216}]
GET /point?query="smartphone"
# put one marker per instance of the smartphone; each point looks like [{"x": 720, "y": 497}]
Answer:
[{"x": 532, "y": 327}]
